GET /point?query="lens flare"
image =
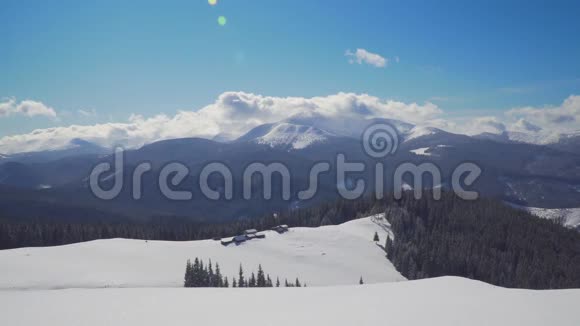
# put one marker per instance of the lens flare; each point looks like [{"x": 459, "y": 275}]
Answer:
[
  {"x": 212, "y": 2},
  {"x": 222, "y": 20}
]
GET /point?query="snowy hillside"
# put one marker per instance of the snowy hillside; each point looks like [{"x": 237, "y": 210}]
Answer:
[
  {"x": 71, "y": 285},
  {"x": 293, "y": 136},
  {"x": 570, "y": 216},
  {"x": 418, "y": 132},
  {"x": 329, "y": 255},
  {"x": 421, "y": 151},
  {"x": 442, "y": 301},
  {"x": 539, "y": 137}
]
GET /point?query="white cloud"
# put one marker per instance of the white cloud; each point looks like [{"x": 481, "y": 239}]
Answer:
[
  {"x": 235, "y": 113},
  {"x": 470, "y": 125},
  {"x": 564, "y": 117},
  {"x": 488, "y": 124},
  {"x": 33, "y": 108},
  {"x": 7, "y": 107},
  {"x": 27, "y": 108},
  {"x": 361, "y": 56},
  {"x": 522, "y": 125},
  {"x": 541, "y": 123}
]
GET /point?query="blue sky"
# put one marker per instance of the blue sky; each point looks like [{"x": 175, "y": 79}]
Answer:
[{"x": 117, "y": 58}]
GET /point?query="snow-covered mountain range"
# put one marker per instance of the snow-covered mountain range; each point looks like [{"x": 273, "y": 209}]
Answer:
[
  {"x": 302, "y": 132},
  {"x": 546, "y": 176}
]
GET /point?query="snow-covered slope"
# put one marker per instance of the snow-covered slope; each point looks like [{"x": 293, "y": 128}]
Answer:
[
  {"x": 418, "y": 132},
  {"x": 570, "y": 216},
  {"x": 520, "y": 137},
  {"x": 538, "y": 138},
  {"x": 329, "y": 255},
  {"x": 302, "y": 131},
  {"x": 352, "y": 127},
  {"x": 421, "y": 151},
  {"x": 292, "y": 136},
  {"x": 446, "y": 301}
]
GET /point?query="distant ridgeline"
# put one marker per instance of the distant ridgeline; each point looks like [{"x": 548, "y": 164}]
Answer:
[{"x": 484, "y": 240}]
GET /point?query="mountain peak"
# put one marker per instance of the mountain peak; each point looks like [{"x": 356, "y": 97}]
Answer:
[
  {"x": 288, "y": 135},
  {"x": 420, "y": 131}
]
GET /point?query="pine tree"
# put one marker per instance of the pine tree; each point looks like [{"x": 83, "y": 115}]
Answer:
[
  {"x": 297, "y": 284},
  {"x": 261, "y": 280},
  {"x": 226, "y": 284},
  {"x": 196, "y": 274},
  {"x": 202, "y": 274},
  {"x": 187, "y": 282},
  {"x": 211, "y": 281},
  {"x": 389, "y": 247},
  {"x": 241, "y": 281},
  {"x": 268, "y": 281},
  {"x": 234, "y": 283},
  {"x": 218, "y": 276},
  {"x": 361, "y": 281},
  {"x": 252, "y": 281},
  {"x": 376, "y": 237},
  {"x": 277, "y": 282}
]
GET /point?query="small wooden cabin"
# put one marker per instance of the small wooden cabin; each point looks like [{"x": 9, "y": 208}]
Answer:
[{"x": 281, "y": 228}]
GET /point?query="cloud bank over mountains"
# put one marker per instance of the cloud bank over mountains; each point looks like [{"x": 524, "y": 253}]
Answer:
[{"x": 235, "y": 113}]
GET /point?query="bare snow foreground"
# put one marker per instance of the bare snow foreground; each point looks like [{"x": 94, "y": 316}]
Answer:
[{"x": 442, "y": 301}]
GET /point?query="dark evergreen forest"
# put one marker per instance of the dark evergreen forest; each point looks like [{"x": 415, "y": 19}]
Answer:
[
  {"x": 483, "y": 240},
  {"x": 35, "y": 232}
]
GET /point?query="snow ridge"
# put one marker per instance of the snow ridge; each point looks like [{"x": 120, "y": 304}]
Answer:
[
  {"x": 418, "y": 132},
  {"x": 294, "y": 136},
  {"x": 569, "y": 216}
]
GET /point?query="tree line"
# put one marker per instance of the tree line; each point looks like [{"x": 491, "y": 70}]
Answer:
[
  {"x": 198, "y": 274},
  {"x": 42, "y": 232}
]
